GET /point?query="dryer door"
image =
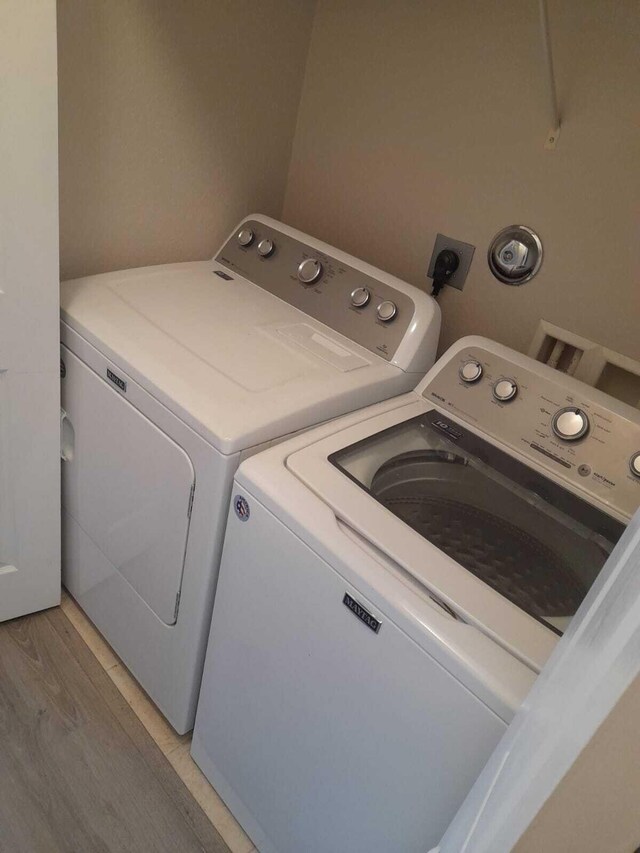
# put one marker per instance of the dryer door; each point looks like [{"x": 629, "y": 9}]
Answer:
[{"x": 129, "y": 487}]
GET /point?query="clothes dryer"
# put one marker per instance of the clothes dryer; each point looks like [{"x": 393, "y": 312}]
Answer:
[{"x": 171, "y": 375}]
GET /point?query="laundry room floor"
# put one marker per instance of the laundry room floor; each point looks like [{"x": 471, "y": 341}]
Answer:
[{"x": 86, "y": 761}]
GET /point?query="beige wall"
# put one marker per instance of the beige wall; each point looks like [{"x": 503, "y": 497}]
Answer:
[
  {"x": 176, "y": 119},
  {"x": 400, "y": 137},
  {"x": 596, "y": 807}
]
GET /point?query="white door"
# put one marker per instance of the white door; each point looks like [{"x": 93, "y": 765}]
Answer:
[
  {"x": 29, "y": 371},
  {"x": 556, "y": 736}
]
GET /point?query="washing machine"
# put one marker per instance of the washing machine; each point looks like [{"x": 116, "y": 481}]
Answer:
[
  {"x": 171, "y": 375},
  {"x": 391, "y": 584}
]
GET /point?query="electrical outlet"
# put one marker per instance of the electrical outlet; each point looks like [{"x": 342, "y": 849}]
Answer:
[{"x": 463, "y": 250}]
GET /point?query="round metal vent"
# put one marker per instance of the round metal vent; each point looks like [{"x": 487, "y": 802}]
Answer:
[{"x": 515, "y": 254}]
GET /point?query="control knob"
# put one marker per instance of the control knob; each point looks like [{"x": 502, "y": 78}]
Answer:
[
  {"x": 470, "y": 371},
  {"x": 266, "y": 247},
  {"x": 360, "y": 297},
  {"x": 245, "y": 237},
  {"x": 309, "y": 270},
  {"x": 386, "y": 311},
  {"x": 634, "y": 464},
  {"x": 505, "y": 390},
  {"x": 570, "y": 423}
]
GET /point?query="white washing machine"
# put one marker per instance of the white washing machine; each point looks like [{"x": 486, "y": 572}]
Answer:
[
  {"x": 172, "y": 375},
  {"x": 391, "y": 584}
]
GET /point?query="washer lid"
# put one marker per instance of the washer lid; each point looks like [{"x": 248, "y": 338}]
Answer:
[
  {"x": 488, "y": 526},
  {"x": 235, "y": 362},
  {"x": 451, "y": 519}
]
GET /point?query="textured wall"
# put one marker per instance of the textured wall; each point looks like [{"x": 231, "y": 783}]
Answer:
[
  {"x": 176, "y": 119},
  {"x": 424, "y": 117}
]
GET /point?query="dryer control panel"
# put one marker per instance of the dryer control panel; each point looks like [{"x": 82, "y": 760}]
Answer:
[
  {"x": 559, "y": 423},
  {"x": 365, "y": 309}
]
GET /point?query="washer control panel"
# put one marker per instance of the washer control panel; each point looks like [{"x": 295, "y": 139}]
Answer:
[
  {"x": 368, "y": 311},
  {"x": 566, "y": 431}
]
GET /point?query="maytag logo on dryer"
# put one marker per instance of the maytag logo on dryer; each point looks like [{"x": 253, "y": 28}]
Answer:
[
  {"x": 362, "y": 613},
  {"x": 121, "y": 384}
]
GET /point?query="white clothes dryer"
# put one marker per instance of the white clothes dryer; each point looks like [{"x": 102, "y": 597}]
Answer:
[
  {"x": 391, "y": 584},
  {"x": 173, "y": 374}
]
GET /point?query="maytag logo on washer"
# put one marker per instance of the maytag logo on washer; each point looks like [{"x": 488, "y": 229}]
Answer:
[
  {"x": 362, "y": 614},
  {"x": 120, "y": 383},
  {"x": 241, "y": 507}
]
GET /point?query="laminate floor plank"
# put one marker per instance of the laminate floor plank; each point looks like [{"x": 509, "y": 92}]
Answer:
[
  {"x": 129, "y": 721},
  {"x": 78, "y": 771}
]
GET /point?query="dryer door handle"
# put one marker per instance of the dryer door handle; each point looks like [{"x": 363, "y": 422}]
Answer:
[{"x": 67, "y": 437}]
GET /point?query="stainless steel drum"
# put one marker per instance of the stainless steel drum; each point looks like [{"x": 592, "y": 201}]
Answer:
[{"x": 535, "y": 561}]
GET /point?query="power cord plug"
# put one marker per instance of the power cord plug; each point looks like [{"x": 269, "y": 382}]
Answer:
[{"x": 446, "y": 264}]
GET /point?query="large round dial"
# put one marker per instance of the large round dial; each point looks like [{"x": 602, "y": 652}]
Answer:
[
  {"x": 634, "y": 464},
  {"x": 309, "y": 270},
  {"x": 505, "y": 390},
  {"x": 360, "y": 297},
  {"x": 386, "y": 311},
  {"x": 570, "y": 423},
  {"x": 266, "y": 247},
  {"x": 245, "y": 237},
  {"x": 470, "y": 371}
]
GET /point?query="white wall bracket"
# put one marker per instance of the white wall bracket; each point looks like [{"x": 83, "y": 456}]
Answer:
[{"x": 554, "y": 115}]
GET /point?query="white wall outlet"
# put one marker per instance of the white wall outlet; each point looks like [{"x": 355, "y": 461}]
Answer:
[{"x": 463, "y": 250}]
